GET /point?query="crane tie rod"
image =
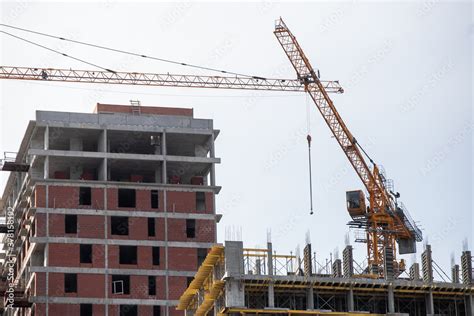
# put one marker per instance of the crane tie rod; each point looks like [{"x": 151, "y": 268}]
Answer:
[{"x": 127, "y": 52}]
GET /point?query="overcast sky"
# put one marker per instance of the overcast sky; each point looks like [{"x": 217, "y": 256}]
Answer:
[{"x": 407, "y": 72}]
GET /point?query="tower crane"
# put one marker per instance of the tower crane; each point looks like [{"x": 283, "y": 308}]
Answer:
[{"x": 385, "y": 221}]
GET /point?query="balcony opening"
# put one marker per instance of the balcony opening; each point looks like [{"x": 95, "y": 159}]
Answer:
[
  {"x": 129, "y": 142},
  {"x": 145, "y": 172}
]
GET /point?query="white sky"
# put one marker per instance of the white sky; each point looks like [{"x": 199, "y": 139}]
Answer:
[{"x": 406, "y": 68}]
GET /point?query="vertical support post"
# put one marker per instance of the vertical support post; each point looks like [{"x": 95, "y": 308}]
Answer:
[
  {"x": 466, "y": 266},
  {"x": 212, "y": 154},
  {"x": 270, "y": 258},
  {"x": 310, "y": 298},
  {"x": 46, "y": 159},
  {"x": 469, "y": 300},
  {"x": 415, "y": 272},
  {"x": 427, "y": 265},
  {"x": 455, "y": 273},
  {"x": 46, "y": 138},
  {"x": 271, "y": 295},
  {"x": 350, "y": 300},
  {"x": 348, "y": 262},
  {"x": 337, "y": 269},
  {"x": 391, "y": 299},
  {"x": 388, "y": 266},
  {"x": 234, "y": 267},
  {"x": 271, "y": 289},
  {"x": 429, "y": 303},
  {"x": 164, "y": 174},
  {"x": 307, "y": 261}
]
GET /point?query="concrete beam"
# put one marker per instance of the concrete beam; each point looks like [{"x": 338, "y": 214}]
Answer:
[{"x": 123, "y": 242}]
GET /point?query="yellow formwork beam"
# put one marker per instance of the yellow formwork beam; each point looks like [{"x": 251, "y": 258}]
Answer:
[{"x": 248, "y": 311}]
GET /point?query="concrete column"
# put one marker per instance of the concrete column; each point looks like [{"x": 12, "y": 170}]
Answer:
[
  {"x": 350, "y": 300},
  {"x": 234, "y": 258},
  {"x": 102, "y": 174},
  {"x": 415, "y": 272},
  {"x": 427, "y": 265},
  {"x": 46, "y": 138},
  {"x": 455, "y": 273},
  {"x": 429, "y": 303},
  {"x": 347, "y": 258},
  {"x": 271, "y": 295},
  {"x": 234, "y": 266},
  {"x": 213, "y": 167},
  {"x": 466, "y": 267},
  {"x": 102, "y": 143},
  {"x": 46, "y": 168},
  {"x": 469, "y": 304},
  {"x": 164, "y": 174},
  {"x": 310, "y": 298},
  {"x": 270, "y": 258},
  {"x": 391, "y": 299}
]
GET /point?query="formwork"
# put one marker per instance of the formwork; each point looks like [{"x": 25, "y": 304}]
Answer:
[{"x": 234, "y": 280}]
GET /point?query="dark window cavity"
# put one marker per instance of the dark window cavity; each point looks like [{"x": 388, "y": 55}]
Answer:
[
  {"x": 85, "y": 253},
  {"x": 126, "y": 198},
  {"x": 128, "y": 310},
  {"x": 190, "y": 228},
  {"x": 86, "y": 310},
  {"x": 119, "y": 225},
  {"x": 200, "y": 201},
  {"x": 156, "y": 310},
  {"x": 128, "y": 254},
  {"x": 154, "y": 199},
  {"x": 70, "y": 283},
  {"x": 120, "y": 284},
  {"x": 201, "y": 255},
  {"x": 85, "y": 196},
  {"x": 151, "y": 227},
  {"x": 70, "y": 223},
  {"x": 151, "y": 285},
  {"x": 156, "y": 256}
]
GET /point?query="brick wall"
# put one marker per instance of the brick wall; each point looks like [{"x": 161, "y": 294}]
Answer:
[{"x": 152, "y": 110}]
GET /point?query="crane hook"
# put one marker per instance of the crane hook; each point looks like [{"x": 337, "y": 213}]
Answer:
[{"x": 308, "y": 138}]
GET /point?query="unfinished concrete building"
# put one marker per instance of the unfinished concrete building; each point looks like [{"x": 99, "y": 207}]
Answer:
[
  {"x": 237, "y": 281},
  {"x": 112, "y": 213}
]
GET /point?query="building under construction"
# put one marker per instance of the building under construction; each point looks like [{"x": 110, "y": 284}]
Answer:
[
  {"x": 107, "y": 213},
  {"x": 239, "y": 281}
]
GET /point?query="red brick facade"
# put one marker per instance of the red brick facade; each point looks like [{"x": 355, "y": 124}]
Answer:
[{"x": 64, "y": 200}]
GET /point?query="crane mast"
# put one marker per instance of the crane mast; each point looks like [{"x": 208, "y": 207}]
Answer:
[{"x": 385, "y": 221}]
